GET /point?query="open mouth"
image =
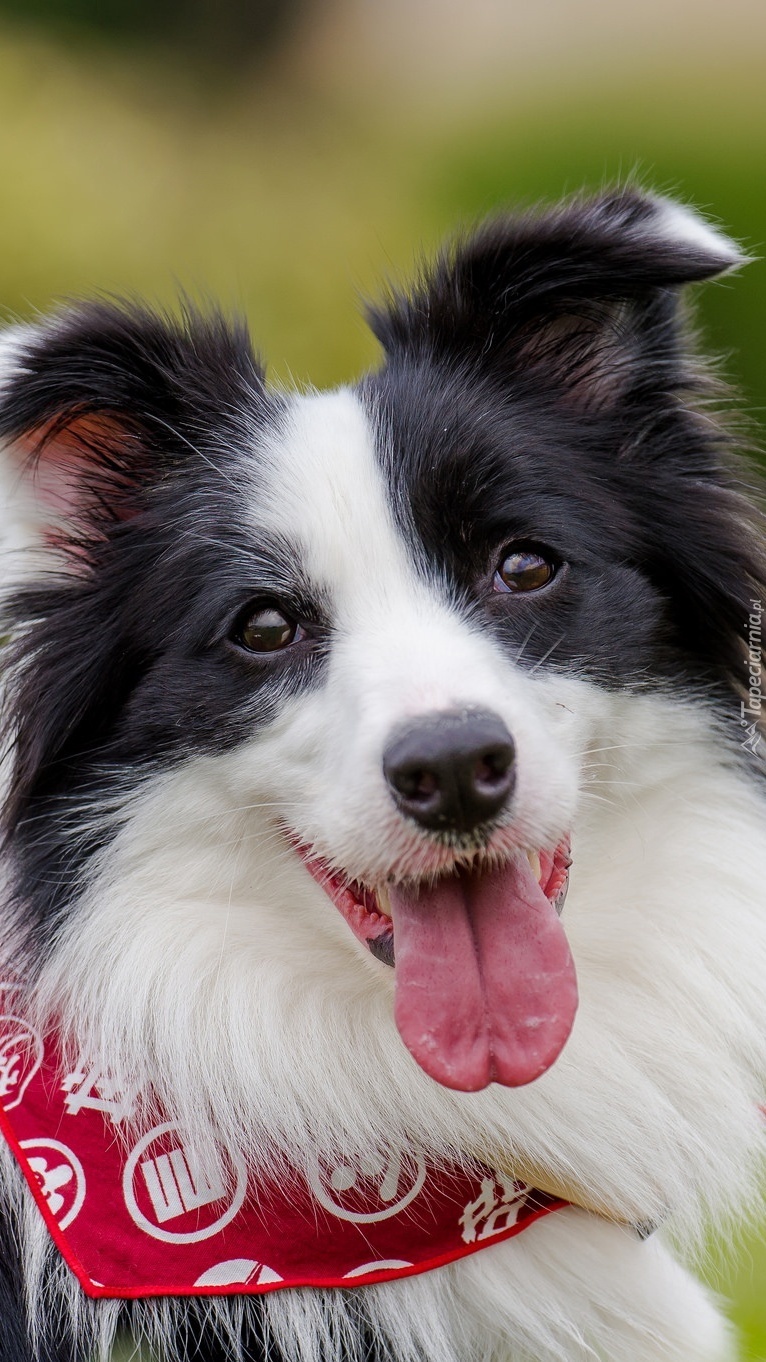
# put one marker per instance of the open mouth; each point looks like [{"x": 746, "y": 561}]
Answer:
[{"x": 485, "y": 983}]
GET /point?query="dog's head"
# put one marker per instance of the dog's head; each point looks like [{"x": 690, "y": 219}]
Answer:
[{"x": 370, "y": 636}]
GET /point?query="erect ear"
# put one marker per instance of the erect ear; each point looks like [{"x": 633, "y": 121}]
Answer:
[
  {"x": 102, "y": 401},
  {"x": 579, "y": 299}
]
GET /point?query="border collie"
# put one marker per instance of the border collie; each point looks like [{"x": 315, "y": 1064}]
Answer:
[{"x": 315, "y": 706}]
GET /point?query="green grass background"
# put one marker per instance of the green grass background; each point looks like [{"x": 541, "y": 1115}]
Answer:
[{"x": 290, "y": 197}]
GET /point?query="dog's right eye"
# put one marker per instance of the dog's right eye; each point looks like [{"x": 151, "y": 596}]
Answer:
[{"x": 265, "y": 629}]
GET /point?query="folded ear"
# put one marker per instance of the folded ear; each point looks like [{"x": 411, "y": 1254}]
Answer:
[
  {"x": 102, "y": 401},
  {"x": 577, "y": 300}
]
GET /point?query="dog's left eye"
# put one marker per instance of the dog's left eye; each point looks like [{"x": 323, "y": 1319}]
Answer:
[
  {"x": 266, "y": 629},
  {"x": 524, "y": 570}
]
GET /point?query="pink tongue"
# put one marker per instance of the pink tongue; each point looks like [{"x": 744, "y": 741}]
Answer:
[{"x": 485, "y": 983}]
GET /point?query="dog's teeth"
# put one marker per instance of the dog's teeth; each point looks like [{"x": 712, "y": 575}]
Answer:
[
  {"x": 534, "y": 860},
  {"x": 384, "y": 900}
]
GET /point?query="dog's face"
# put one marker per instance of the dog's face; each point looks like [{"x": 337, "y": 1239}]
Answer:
[{"x": 380, "y": 629}]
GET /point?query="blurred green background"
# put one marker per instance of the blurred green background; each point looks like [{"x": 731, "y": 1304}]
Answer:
[{"x": 287, "y": 156}]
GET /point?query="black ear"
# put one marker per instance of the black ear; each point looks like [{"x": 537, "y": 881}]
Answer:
[
  {"x": 577, "y": 299},
  {"x": 102, "y": 401}
]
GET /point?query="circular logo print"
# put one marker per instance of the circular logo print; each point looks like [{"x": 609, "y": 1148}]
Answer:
[
  {"x": 175, "y": 1194},
  {"x": 21, "y": 1054},
  {"x": 371, "y": 1188},
  {"x": 59, "y": 1175}
]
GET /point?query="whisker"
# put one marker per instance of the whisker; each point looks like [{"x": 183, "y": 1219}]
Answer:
[
  {"x": 520, "y": 653},
  {"x": 545, "y": 656}
]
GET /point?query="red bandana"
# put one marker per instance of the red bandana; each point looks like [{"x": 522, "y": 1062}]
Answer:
[{"x": 147, "y": 1216}]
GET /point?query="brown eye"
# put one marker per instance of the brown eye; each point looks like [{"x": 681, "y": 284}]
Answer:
[
  {"x": 524, "y": 570},
  {"x": 266, "y": 630}
]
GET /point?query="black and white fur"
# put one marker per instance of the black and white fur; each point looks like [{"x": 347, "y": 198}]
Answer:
[{"x": 536, "y": 386}]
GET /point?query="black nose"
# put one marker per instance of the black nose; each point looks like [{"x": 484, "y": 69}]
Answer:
[{"x": 451, "y": 771}]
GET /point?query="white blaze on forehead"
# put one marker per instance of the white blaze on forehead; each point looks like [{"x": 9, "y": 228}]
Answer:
[
  {"x": 401, "y": 645},
  {"x": 326, "y": 494},
  {"x": 397, "y": 635}
]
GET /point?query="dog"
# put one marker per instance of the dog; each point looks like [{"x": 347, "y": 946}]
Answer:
[{"x": 317, "y": 707}]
